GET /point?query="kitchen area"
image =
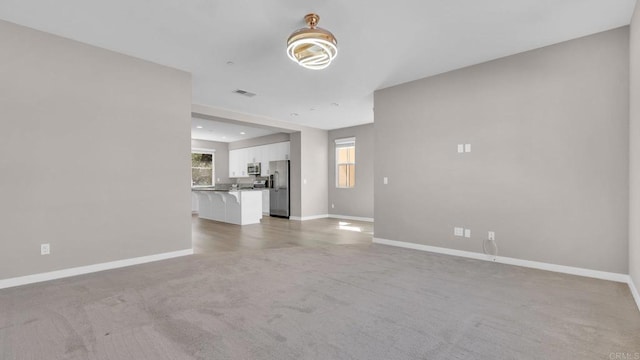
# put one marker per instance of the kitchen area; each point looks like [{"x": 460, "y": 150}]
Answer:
[
  {"x": 247, "y": 183},
  {"x": 239, "y": 173}
]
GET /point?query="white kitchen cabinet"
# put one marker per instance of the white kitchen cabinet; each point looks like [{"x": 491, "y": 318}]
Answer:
[
  {"x": 243, "y": 160},
  {"x": 233, "y": 161},
  {"x": 281, "y": 151},
  {"x": 239, "y": 158},
  {"x": 259, "y": 154},
  {"x": 265, "y": 201},
  {"x": 251, "y": 154},
  {"x": 238, "y": 163},
  {"x": 271, "y": 153},
  {"x": 265, "y": 158},
  {"x": 194, "y": 202},
  {"x": 274, "y": 152},
  {"x": 235, "y": 207}
]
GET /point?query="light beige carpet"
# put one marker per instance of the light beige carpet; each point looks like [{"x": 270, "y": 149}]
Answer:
[{"x": 336, "y": 302}]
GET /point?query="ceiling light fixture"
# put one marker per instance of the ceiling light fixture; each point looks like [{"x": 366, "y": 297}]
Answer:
[
  {"x": 313, "y": 47},
  {"x": 242, "y": 133},
  {"x": 199, "y": 127}
]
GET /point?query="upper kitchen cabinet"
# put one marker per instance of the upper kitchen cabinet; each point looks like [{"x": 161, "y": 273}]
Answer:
[
  {"x": 238, "y": 163},
  {"x": 279, "y": 151},
  {"x": 274, "y": 152},
  {"x": 233, "y": 160},
  {"x": 252, "y": 154},
  {"x": 239, "y": 158}
]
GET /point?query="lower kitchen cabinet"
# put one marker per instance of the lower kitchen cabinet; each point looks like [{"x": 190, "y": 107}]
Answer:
[
  {"x": 265, "y": 201},
  {"x": 194, "y": 202}
]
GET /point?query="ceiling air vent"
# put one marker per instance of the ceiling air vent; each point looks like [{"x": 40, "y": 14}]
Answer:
[{"x": 244, "y": 92}]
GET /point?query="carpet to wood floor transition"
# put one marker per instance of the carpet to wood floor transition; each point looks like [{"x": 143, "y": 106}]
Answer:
[{"x": 332, "y": 302}]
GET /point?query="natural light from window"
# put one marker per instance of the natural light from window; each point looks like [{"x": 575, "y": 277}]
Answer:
[
  {"x": 345, "y": 163},
  {"x": 346, "y": 226}
]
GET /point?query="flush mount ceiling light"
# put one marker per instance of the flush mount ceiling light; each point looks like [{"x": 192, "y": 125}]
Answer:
[{"x": 313, "y": 47}]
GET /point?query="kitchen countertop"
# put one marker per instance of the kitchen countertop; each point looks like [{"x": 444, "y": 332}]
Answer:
[{"x": 226, "y": 190}]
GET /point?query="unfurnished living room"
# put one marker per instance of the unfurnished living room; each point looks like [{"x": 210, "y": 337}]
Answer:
[{"x": 319, "y": 179}]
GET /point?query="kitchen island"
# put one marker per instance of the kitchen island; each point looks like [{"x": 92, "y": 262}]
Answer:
[{"x": 241, "y": 207}]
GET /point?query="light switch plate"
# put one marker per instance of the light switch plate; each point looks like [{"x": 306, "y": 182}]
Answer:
[
  {"x": 467, "y": 147},
  {"x": 385, "y": 180},
  {"x": 467, "y": 233},
  {"x": 460, "y": 148},
  {"x": 457, "y": 231},
  {"x": 492, "y": 235}
]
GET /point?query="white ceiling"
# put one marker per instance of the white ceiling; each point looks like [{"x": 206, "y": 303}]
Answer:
[
  {"x": 224, "y": 131},
  {"x": 381, "y": 43}
]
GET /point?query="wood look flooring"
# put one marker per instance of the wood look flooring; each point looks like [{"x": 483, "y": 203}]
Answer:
[{"x": 210, "y": 236}]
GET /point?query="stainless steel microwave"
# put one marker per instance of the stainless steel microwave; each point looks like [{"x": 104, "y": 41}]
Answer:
[{"x": 253, "y": 168}]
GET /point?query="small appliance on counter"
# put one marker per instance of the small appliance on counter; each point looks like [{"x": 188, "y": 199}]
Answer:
[
  {"x": 279, "y": 188},
  {"x": 260, "y": 184},
  {"x": 253, "y": 168}
]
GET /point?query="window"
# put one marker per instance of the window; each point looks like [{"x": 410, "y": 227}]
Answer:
[
  {"x": 346, "y": 163},
  {"x": 202, "y": 169}
]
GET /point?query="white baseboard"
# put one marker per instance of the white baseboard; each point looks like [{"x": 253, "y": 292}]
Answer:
[
  {"x": 59, "y": 274},
  {"x": 634, "y": 292},
  {"x": 312, "y": 217},
  {"x": 347, "y": 217},
  {"x": 624, "y": 278}
]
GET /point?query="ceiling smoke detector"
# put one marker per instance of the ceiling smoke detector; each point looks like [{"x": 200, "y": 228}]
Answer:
[{"x": 313, "y": 47}]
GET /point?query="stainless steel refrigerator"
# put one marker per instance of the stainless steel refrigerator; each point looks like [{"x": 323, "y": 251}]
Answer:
[{"x": 279, "y": 188}]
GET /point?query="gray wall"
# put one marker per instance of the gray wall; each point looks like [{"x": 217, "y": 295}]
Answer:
[
  {"x": 94, "y": 154},
  {"x": 295, "y": 156},
  {"x": 634, "y": 161},
  {"x": 356, "y": 201},
  {"x": 548, "y": 171},
  {"x": 314, "y": 172},
  {"x": 262, "y": 140},
  {"x": 221, "y": 158}
]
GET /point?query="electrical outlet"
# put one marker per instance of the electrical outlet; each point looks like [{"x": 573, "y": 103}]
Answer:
[
  {"x": 385, "y": 180},
  {"x": 457, "y": 231},
  {"x": 492, "y": 235},
  {"x": 467, "y": 233},
  {"x": 45, "y": 249}
]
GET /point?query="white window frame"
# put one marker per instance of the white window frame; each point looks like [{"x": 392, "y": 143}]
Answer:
[
  {"x": 344, "y": 143},
  {"x": 213, "y": 165}
]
